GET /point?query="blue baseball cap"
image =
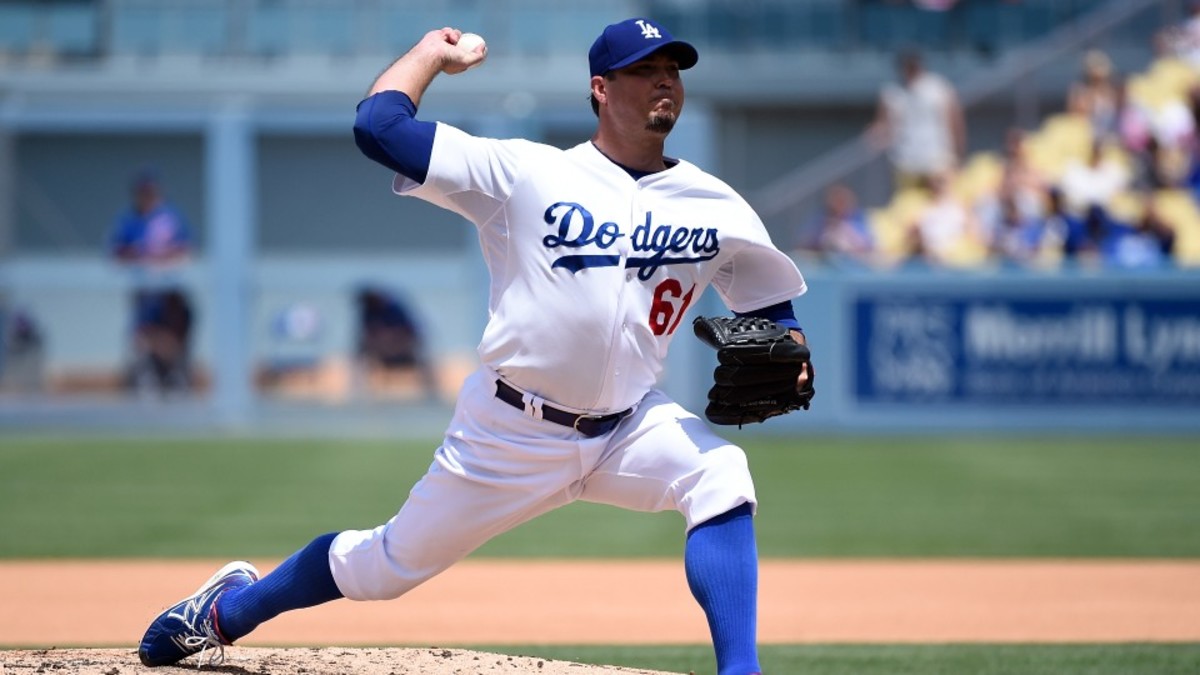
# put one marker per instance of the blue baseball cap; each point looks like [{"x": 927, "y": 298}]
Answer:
[{"x": 631, "y": 41}]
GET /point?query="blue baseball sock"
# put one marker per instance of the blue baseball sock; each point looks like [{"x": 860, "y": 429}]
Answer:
[
  {"x": 721, "y": 560},
  {"x": 303, "y": 580}
]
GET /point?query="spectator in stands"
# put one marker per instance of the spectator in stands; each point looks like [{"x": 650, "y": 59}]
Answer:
[
  {"x": 1183, "y": 41},
  {"x": 390, "y": 338},
  {"x": 921, "y": 121},
  {"x": 1095, "y": 181},
  {"x": 946, "y": 231},
  {"x": 1173, "y": 124},
  {"x": 22, "y": 352},
  {"x": 1016, "y": 237},
  {"x": 1021, "y": 178},
  {"x": 1133, "y": 121},
  {"x": 1096, "y": 96},
  {"x": 152, "y": 241},
  {"x": 840, "y": 234},
  {"x": 1160, "y": 142},
  {"x": 1162, "y": 167},
  {"x": 1190, "y": 179},
  {"x": 1079, "y": 236},
  {"x": 1136, "y": 237}
]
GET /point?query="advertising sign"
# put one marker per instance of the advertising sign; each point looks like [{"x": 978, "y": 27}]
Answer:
[{"x": 1016, "y": 350}]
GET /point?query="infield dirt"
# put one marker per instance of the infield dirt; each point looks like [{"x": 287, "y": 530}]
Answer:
[
  {"x": 108, "y": 604},
  {"x": 313, "y": 661}
]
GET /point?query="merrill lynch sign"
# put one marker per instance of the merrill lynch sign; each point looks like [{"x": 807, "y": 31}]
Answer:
[{"x": 1015, "y": 350}]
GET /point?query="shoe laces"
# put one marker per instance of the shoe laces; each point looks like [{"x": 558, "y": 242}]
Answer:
[{"x": 206, "y": 640}]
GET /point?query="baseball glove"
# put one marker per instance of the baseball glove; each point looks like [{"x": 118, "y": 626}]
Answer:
[{"x": 760, "y": 366}]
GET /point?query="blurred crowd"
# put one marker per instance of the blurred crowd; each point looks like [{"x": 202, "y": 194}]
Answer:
[{"x": 1110, "y": 181}]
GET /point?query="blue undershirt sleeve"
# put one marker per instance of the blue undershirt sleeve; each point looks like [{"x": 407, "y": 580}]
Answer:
[
  {"x": 387, "y": 131},
  {"x": 782, "y": 313}
]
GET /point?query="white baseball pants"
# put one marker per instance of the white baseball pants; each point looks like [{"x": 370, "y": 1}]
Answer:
[{"x": 499, "y": 467}]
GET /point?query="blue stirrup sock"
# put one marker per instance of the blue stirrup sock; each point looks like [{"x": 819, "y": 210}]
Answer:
[
  {"x": 303, "y": 580},
  {"x": 721, "y": 561}
]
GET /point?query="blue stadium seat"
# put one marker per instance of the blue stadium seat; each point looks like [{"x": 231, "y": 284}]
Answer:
[
  {"x": 987, "y": 26},
  {"x": 73, "y": 28},
  {"x": 137, "y": 29},
  {"x": 267, "y": 30},
  {"x": 179, "y": 28},
  {"x": 933, "y": 29},
  {"x": 16, "y": 27},
  {"x": 328, "y": 28},
  {"x": 402, "y": 26},
  {"x": 276, "y": 28},
  {"x": 825, "y": 26},
  {"x": 885, "y": 27}
]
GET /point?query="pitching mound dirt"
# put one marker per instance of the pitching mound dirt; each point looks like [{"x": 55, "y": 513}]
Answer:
[{"x": 330, "y": 661}]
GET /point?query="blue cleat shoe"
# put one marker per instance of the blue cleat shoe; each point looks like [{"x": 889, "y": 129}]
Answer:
[{"x": 190, "y": 626}]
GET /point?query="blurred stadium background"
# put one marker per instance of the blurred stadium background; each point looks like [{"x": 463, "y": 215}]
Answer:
[{"x": 243, "y": 110}]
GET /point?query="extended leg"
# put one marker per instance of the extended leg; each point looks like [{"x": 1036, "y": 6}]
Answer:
[
  {"x": 303, "y": 580},
  {"x": 234, "y": 601},
  {"x": 476, "y": 488}
]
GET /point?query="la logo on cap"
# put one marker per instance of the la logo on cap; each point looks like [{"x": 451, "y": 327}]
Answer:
[
  {"x": 649, "y": 31},
  {"x": 631, "y": 40}
]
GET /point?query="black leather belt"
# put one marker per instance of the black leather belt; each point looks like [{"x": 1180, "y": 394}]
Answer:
[{"x": 588, "y": 425}]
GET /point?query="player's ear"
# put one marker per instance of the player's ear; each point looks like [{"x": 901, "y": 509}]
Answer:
[{"x": 599, "y": 89}]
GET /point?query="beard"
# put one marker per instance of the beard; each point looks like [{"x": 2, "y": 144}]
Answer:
[{"x": 661, "y": 121}]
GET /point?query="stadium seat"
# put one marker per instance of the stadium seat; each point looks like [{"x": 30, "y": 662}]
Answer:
[
  {"x": 890, "y": 233},
  {"x": 968, "y": 252},
  {"x": 1115, "y": 153},
  {"x": 1044, "y": 156},
  {"x": 16, "y": 28},
  {"x": 1180, "y": 210},
  {"x": 1151, "y": 93},
  {"x": 72, "y": 29},
  {"x": 907, "y": 203},
  {"x": 982, "y": 175},
  {"x": 1173, "y": 75},
  {"x": 1127, "y": 206},
  {"x": 1070, "y": 135},
  {"x": 892, "y": 224},
  {"x": 1187, "y": 244},
  {"x": 1177, "y": 207}
]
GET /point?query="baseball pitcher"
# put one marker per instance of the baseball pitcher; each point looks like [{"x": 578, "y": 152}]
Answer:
[{"x": 595, "y": 254}]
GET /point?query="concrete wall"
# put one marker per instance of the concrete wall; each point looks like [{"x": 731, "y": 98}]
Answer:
[{"x": 871, "y": 379}]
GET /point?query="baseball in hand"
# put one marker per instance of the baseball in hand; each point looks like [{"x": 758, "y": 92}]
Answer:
[{"x": 470, "y": 41}]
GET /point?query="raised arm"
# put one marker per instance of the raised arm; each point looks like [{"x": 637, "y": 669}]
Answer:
[
  {"x": 437, "y": 52},
  {"x": 385, "y": 126}
]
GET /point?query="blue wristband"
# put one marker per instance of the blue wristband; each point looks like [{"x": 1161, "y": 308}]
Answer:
[{"x": 781, "y": 313}]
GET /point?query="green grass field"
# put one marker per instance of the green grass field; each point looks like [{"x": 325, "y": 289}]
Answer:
[
  {"x": 861, "y": 497},
  {"x": 867, "y": 497},
  {"x": 1131, "y": 659}
]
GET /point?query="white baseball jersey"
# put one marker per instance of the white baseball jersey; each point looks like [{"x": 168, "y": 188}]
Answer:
[{"x": 591, "y": 270}]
